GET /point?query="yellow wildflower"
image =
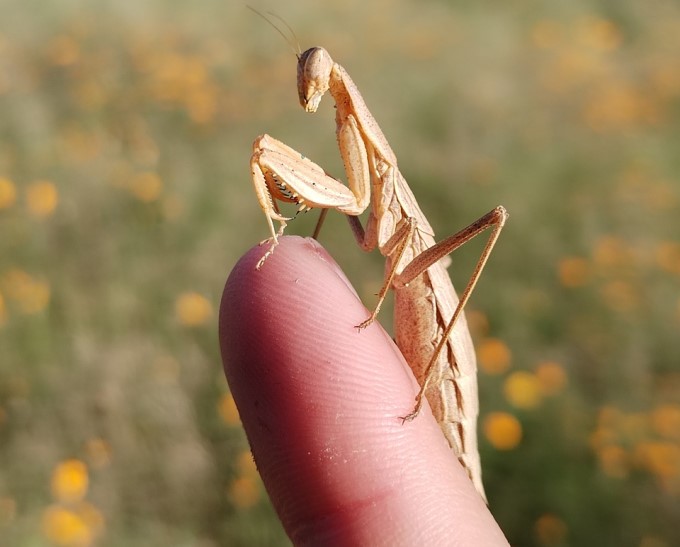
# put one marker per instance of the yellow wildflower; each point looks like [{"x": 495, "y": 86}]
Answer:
[
  {"x": 549, "y": 529},
  {"x": 620, "y": 295},
  {"x": 228, "y": 411},
  {"x": 146, "y": 187},
  {"x": 660, "y": 458},
  {"x": 244, "y": 492},
  {"x": 573, "y": 271},
  {"x": 8, "y": 193},
  {"x": 666, "y": 421},
  {"x": 653, "y": 541},
  {"x": 668, "y": 256},
  {"x": 613, "y": 461},
  {"x": 42, "y": 198},
  {"x": 31, "y": 295},
  {"x": 612, "y": 252},
  {"x": 72, "y": 527},
  {"x": 600, "y": 34},
  {"x": 192, "y": 309},
  {"x": 70, "y": 481},
  {"x": 502, "y": 430},
  {"x": 494, "y": 356},
  {"x": 522, "y": 390},
  {"x": 66, "y": 528},
  {"x": 477, "y": 322},
  {"x": 64, "y": 50},
  {"x": 246, "y": 464},
  {"x": 551, "y": 377},
  {"x": 8, "y": 510}
]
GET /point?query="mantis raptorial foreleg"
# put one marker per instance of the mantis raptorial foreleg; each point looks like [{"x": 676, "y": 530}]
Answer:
[
  {"x": 283, "y": 174},
  {"x": 430, "y": 327}
]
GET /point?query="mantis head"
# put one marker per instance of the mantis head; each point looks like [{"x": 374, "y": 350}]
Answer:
[{"x": 313, "y": 76}]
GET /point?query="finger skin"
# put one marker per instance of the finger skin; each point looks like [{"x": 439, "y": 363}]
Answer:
[{"x": 320, "y": 403}]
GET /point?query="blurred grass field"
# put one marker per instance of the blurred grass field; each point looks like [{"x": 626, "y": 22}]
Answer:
[{"x": 125, "y": 199}]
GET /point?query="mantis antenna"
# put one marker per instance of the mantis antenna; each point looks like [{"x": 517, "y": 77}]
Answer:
[{"x": 295, "y": 46}]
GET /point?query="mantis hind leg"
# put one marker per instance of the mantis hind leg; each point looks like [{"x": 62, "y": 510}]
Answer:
[{"x": 495, "y": 218}]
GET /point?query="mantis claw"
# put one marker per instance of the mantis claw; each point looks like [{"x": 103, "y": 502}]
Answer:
[
  {"x": 414, "y": 413},
  {"x": 365, "y": 324},
  {"x": 274, "y": 240},
  {"x": 261, "y": 262}
]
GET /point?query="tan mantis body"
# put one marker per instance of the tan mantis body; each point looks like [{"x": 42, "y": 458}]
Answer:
[{"x": 430, "y": 328}]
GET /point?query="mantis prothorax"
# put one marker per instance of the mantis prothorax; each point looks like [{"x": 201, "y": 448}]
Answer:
[{"x": 430, "y": 327}]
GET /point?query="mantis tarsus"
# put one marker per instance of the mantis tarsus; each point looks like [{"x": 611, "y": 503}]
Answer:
[{"x": 430, "y": 327}]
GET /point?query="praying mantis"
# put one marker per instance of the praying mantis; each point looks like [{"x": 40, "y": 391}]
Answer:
[{"x": 429, "y": 327}]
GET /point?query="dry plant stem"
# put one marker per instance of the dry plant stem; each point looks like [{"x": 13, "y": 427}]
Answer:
[{"x": 430, "y": 327}]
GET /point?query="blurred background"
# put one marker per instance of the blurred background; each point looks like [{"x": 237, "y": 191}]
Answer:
[{"x": 125, "y": 200}]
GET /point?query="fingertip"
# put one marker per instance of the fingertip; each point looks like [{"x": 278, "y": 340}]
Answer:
[{"x": 320, "y": 403}]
